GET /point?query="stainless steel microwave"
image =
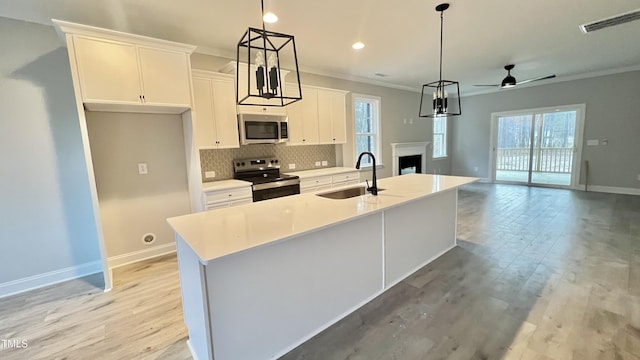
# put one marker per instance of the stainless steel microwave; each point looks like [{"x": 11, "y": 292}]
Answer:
[{"x": 263, "y": 129}]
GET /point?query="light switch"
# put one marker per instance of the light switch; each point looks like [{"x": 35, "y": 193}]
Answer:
[
  {"x": 593, "y": 142},
  {"x": 292, "y": 166},
  {"x": 317, "y": 163},
  {"x": 142, "y": 169},
  {"x": 325, "y": 163}
]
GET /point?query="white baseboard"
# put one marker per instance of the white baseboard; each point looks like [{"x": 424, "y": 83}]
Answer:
[
  {"x": 49, "y": 278},
  {"x": 611, "y": 189},
  {"x": 193, "y": 353},
  {"x": 128, "y": 258}
]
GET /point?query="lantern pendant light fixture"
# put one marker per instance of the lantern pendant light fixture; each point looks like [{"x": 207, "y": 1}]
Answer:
[
  {"x": 437, "y": 92},
  {"x": 259, "y": 78}
]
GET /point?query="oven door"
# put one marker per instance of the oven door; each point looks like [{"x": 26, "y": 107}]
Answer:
[
  {"x": 259, "y": 132},
  {"x": 276, "y": 189}
]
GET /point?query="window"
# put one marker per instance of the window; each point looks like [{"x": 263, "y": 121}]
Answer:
[
  {"x": 439, "y": 137},
  {"x": 367, "y": 127}
]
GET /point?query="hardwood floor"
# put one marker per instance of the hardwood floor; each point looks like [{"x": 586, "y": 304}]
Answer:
[{"x": 538, "y": 274}]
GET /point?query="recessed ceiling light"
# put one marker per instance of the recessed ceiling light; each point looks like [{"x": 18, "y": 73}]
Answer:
[
  {"x": 358, "y": 45},
  {"x": 270, "y": 18}
]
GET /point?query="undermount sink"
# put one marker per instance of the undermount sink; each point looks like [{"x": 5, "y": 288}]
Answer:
[{"x": 346, "y": 193}]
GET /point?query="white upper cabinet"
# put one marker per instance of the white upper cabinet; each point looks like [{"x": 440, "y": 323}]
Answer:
[
  {"x": 319, "y": 118},
  {"x": 214, "y": 111},
  {"x": 116, "y": 71},
  {"x": 332, "y": 119},
  {"x": 303, "y": 118},
  {"x": 108, "y": 70},
  {"x": 164, "y": 76}
]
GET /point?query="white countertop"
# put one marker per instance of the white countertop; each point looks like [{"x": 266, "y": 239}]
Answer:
[
  {"x": 221, "y": 232},
  {"x": 320, "y": 172},
  {"x": 224, "y": 184}
]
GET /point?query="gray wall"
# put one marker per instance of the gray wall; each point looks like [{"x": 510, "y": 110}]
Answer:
[
  {"x": 396, "y": 106},
  {"x": 46, "y": 218},
  {"x": 612, "y": 113},
  {"x": 131, "y": 204}
]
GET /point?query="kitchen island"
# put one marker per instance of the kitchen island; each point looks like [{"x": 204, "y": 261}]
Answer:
[{"x": 259, "y": 279}]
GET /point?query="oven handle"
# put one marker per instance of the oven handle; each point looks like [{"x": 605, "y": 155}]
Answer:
[{"x": 276, "y": 184}]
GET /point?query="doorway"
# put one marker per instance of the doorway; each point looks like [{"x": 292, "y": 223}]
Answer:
[{"x": 539, "y": 147}]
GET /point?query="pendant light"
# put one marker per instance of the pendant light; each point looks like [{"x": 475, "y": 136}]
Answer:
[
  {"x": 437, "y": 92},
  {"x": 259, "y": 78}
]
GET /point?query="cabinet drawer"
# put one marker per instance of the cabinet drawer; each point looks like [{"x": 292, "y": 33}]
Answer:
[
  {"x": 228, "y": 195},
  {"x": 316, "y": 181},
  {"x": 346, "y": 177}
]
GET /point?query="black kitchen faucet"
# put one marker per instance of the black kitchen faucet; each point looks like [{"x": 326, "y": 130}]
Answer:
[{"x": 374, "y": 188}]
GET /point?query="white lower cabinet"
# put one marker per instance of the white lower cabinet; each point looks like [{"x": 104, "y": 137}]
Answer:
[
  {"x": 221, "y": 198},
  {"x": 326, "y": 182},
  {"x": 315, "y": 184}
]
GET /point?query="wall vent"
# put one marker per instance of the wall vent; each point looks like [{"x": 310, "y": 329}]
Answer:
[{"x": 612, "y": 21}]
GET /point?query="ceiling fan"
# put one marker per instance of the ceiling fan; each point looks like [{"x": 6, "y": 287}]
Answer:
[{"x": 510, "y": 81}]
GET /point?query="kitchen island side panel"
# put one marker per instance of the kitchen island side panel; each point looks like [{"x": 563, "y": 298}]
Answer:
[
  {"x": 418, "y": 233},
  {"x": 194, "y": 300},
  {"x": 268, "y": 300}
]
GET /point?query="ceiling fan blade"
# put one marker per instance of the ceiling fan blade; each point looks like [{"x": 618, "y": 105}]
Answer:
[
  {"x": 536, "y": 79},
  {"x": 488, "y": 85}
]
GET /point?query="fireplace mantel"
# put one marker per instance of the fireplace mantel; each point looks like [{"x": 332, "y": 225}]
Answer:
[{"x": 408, "y": 149}]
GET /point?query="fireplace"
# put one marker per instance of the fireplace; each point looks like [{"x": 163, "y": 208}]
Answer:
[
  {"x": 409, "y": 158},
  {"x": 410, "y": 164}
]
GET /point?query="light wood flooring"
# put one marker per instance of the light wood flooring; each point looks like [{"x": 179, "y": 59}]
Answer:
[{"x": 538, "y": 274}]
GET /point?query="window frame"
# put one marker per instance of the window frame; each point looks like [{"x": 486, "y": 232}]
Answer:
[
  {"x": 444, "y": 137},
  {"x": 376, "y": 102}
]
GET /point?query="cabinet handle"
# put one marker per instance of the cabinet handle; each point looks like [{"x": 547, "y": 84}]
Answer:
[
  {"x": 145, "y": 100},
  {"x": 140, "y": 96}
]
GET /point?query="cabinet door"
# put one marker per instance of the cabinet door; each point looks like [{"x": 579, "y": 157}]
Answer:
[
  {"x": 224, "y": 114},
  {"x": 203, "y": 112},
  {"x": 295, "y": 120},
  {"x": 324, "y": 117},
  {"x": 165, "y": 77},
  {"x": 332, "y": 121},
  {"x": 108, "y": 71},
  {"x": 310, "y": 116},
  {"x": 338, "y": 118}
]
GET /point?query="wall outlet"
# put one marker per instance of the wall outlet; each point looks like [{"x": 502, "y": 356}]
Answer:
[
  {"x": 593, "y": 142},
  {"x": 317, "y": 163},
  {"x": 411, "y": 121},
  {"x": 292, "y": 166},
  {"x": 325, "y": 163},
  {"x": 604, "y": 142},
  {"x": 209, "y": 174},
  {"x": 142, "y": 169}
]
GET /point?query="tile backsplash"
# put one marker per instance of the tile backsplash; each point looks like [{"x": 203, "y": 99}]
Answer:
[{"x": 305, "y": 157}]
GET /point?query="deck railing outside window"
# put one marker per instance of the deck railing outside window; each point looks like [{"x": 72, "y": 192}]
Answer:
[{"x": 553, "y": 160}]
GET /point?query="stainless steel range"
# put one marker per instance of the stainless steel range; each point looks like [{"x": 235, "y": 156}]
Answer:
[{"x": 265, "y": 175}]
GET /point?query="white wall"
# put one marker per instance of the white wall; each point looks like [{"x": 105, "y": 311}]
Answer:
[
  {"x": 612, "y": 113},
  {"x": 131, "y": 204},
  {"x": 46, "y": 218}
]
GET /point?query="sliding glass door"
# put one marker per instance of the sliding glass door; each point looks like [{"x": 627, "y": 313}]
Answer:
[{"x": 537, "y": 147}]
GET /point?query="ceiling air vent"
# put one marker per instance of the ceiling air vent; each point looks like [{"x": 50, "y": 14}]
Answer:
[{"x": 612, "y": 21}]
